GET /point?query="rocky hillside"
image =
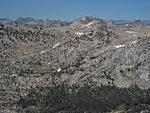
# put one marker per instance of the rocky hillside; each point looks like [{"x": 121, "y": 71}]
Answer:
[{"x": 88, "y": 51}]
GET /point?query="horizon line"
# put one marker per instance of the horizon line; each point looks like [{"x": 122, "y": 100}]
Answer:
[{"x": 67, "y": 20}]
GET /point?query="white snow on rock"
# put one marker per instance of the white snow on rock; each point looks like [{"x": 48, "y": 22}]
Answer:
[
  {"x": 131, "y": 32},
  {"x": 134, "y": 42},
  {"x": 56, "y": 45},
  {"x": 79, "y": 33},
  {"x": 13, "y": 62},
  {"x": 119, "y": 46},
  {"x": 49, "y": 63},
  {"x": 89, "y": 24},
  {"x": 43, "y": 52},
  {"x": 134, "y": 35},
  {"x": 127, "y": 24},
  {"x": 83, "y": 19},
  {"x": 14, "y": 75},
  {"x": 58, "y": 70},
  {"x": 148, "y": 34}
]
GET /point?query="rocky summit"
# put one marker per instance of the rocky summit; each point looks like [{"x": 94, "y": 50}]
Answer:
[{"x": 87, "y": 51}]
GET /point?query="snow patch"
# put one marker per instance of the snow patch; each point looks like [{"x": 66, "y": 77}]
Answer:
[
  {"x": 134, "y": 42},
  {"x": 56, "y": 45},
  {"x": 148, "y": 34},
  {"x": 131, "y": 32},
  {"x": 49, "y": 63},
  {"x": 82, "y": 18},
  {"x": 134, "y": 35},
  {"x": 43, "y": 52},
  {"x": 89, "y": 24},
  {"x": 14, "y": 75},
  {"x": 79, "y": 33},
  {"x": 58, "y": 70},
  {"x": 119, "y": 46},
  {"x": 13, "y": 62}
]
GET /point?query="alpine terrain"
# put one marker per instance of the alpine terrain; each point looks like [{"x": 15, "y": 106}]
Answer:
[{"x": 83, "y": 66}]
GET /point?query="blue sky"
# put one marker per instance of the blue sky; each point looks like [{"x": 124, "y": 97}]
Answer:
[{"x": 73, "y": 9}]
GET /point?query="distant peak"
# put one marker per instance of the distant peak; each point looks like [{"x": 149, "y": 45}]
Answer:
[
  {"x": 24, "y": 19},
  {"x": 5, "y": 19},
  {"x": 137, "y": 22},
  {"x": 89, "y": 18},
  {"x": 29, "y": 18}
]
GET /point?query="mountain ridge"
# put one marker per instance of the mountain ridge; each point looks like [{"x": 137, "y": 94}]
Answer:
[{"x": 32, "y": 21}]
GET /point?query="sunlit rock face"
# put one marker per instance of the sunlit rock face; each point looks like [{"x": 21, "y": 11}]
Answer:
[{"x": 86, "y": 51}]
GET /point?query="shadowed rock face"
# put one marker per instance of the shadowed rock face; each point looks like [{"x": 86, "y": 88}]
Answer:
[{"x": 86, "y": 51}]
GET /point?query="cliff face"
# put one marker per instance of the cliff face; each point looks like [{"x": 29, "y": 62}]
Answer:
[{"x": 88, "y": 51}]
